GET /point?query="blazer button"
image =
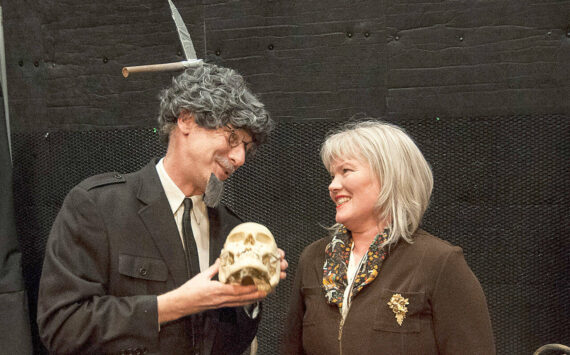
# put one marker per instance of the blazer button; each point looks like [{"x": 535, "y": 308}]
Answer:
[
  {"x": 117, "y": 176},
  {"x": 143, "y": 271}
]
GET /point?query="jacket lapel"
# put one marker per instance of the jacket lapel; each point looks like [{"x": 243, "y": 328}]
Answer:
[
  {"x": 159, "y": 221},
  {"x": 218, "y": 234},
  {"x": 217, "y": 240}
]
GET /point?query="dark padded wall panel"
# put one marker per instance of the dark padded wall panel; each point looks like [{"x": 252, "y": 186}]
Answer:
[
  {"x": 477, "y": 58},
  {"x": 501, "y": 193},
  {"x": 307, "y": 59}
]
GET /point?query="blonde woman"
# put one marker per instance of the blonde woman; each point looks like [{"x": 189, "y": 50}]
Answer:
[{"x": 379, "y": 284}]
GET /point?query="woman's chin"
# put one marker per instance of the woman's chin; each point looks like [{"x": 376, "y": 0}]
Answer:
[
  {"x": 343, "y": 221},
  {"x": 338, "y": 220}
]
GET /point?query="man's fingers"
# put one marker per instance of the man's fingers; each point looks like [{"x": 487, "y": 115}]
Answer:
[
  {"x": 244, "y": 300},
  {"x": 212, "y": 270},
  {"x": 284, "y": 264},
  {"x": 237, "y": 295},
  {"x": 238, "y": 290}
]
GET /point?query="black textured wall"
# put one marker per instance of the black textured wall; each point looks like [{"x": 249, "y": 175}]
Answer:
[
  {"x": 307, "y": 59},
  {"x": 483, "y": 85}
]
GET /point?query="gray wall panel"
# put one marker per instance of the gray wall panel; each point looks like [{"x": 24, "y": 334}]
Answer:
[
  {"x": 478, "y": 58},
  {"x": 307, "y": 59}
]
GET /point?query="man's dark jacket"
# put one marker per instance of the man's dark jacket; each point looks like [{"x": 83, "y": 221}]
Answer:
[{"x": 113, "y": 248}]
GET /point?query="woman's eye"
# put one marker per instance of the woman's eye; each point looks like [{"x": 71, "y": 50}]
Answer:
[{"x": 345, "y": 170}]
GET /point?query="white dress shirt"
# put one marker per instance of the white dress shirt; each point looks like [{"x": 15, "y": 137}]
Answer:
[{"x": 198, "y": 217}]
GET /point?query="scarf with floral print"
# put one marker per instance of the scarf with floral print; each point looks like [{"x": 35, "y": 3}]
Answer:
[{"x": 335, "y": 268}]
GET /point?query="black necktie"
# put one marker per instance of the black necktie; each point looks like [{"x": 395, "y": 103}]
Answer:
[
  {"x": 192, "y": 261},
  {"x": 193, "y": 267}
]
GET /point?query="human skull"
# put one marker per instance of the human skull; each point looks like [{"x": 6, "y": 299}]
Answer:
[{"x": 250, "y": 257}]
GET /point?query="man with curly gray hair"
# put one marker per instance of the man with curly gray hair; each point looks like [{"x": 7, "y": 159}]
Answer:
[
  {"x": 216, "y": 97},
  {"x": 130, "y": 260}
]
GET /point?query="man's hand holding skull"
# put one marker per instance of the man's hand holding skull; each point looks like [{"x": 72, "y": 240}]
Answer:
[{"x": 249, "y": 276}]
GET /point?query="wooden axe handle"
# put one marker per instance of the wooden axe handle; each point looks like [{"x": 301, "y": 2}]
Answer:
[{"x": 153, "y": 67}]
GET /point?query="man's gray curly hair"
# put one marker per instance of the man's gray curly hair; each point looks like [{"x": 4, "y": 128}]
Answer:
[{"x": 215, "y": 96}]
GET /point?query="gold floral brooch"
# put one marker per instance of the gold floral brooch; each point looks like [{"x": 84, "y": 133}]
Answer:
[{"x": 398, "y": 305}]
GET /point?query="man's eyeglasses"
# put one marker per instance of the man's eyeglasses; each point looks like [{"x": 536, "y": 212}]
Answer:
[{"x": 234, "y": 140}]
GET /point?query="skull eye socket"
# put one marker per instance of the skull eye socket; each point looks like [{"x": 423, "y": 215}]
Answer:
[
  {"x": 236, "y": 237},
  {"x": 262, "y": 238}
]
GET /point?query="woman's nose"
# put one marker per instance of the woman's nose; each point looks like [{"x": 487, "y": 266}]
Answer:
[{"x": 334, "y": 185}]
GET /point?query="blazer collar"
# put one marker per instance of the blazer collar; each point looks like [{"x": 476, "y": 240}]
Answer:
[{"x": 217, "y": 235}]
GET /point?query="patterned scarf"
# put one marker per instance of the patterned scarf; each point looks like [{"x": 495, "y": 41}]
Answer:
[{"x": 335, "y": 268}]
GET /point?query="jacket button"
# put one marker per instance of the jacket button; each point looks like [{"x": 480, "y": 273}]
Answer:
[
  {"x": 143, "y": 271},
  {"x": 117, "y": 176}
]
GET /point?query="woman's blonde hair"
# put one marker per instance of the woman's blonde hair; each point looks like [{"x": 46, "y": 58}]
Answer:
[{"x": 405, "y": 177}]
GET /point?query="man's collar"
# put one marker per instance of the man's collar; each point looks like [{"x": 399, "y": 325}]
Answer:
[{"x": 173, "y": 193}]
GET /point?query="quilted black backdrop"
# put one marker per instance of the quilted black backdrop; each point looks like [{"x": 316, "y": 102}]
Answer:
[{"x": 501, "y": 192}]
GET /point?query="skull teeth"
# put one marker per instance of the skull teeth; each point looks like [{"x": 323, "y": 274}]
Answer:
[{"x": 250, "y": 276}]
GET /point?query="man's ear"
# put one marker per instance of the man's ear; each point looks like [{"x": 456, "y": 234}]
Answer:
[{"x": 185, "y": 122}]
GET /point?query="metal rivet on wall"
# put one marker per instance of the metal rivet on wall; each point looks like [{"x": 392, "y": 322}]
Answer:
[
  {"x": 397, "y": 37},
  {"x": 36, "y": 63},
  {"x": 179, "y": 53},
  {"x": 218, "y": 52},
  {"x": 21, "y": 63},
  {"x": 568, "y": 31},
  {"x": 366, "y": 34},
  {"x": 270, "y": 47},
  {"x": 105, "y": 60},
  {"x": 349, "y": 34},
  {"x": 461, "y": 38}
]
